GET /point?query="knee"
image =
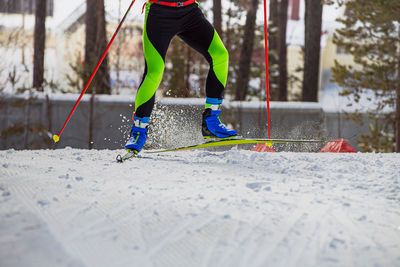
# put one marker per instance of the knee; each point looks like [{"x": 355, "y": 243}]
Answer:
[
  {"x": 221, "y": 55},
  {"x": 224, "y": 55},
  {"x": 155, "y": 73}
]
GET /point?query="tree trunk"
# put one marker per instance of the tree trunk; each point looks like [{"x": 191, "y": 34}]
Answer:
[
  {"x": 23, "y": 36},
  {"x": 27, "y": 125},
  {"x": 217, "y": 13},
  {"x": 188, "y": 64},
  {"x": 282, "y": 50},
  {"x": 295, "y": 10},
  {"x": 273, "y": 24},
  {"x": 39, "y": 44},
  {"x": 96, "y": 43},
  {"x": 397, "y": 130},
  {"x": 246, "y": 52},
  {"x": 313, "y": 27},
  {"x": 117, "y": 64},
  {"x": 274, "y": 21},
  {"x": 91, "y": 120},
  {"x": 228, "y": 29},
  {"x": 49, "y": 114}
]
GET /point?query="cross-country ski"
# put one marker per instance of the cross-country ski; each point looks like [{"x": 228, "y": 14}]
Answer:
[{"x": 129, "y": 154}]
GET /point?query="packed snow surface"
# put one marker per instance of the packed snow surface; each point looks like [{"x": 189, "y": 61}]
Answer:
[{"x": 74, "y": 207}]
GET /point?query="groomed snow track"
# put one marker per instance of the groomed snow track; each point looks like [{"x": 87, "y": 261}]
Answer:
[{"x": 197, "y": 208}]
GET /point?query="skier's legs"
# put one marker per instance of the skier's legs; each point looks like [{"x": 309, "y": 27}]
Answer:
[
  {"x": 201, "y": 36},
  {"x": 161, "y": 24},
  {"x": 156, "y": 39}
]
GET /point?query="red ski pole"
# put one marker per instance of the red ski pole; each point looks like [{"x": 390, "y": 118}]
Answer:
[
  {"x": 56, "y": 138},
  {"x": 266, "y": 65}
]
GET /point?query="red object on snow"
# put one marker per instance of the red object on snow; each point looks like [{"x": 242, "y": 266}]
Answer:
[
  {"x": 263, "y": 148},
  {"x": 338, "y": 146}
]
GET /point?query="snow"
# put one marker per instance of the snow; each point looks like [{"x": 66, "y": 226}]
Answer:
[{"x": 74, "y": 207}]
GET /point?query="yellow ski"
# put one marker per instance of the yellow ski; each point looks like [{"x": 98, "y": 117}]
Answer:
[{"x": 233, "y": 142}]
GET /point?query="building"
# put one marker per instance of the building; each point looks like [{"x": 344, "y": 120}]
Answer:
[
  {"x": 65, "y": 41},
  {"x": 126, "y": 61}
]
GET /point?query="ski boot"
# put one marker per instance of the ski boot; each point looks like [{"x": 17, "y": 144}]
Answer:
[
  {"x": 138, "y": 135},
  {"x": 212, "y": 127}
]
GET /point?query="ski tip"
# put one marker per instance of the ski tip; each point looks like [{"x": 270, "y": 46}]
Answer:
[{"x": 129, "y": 154}]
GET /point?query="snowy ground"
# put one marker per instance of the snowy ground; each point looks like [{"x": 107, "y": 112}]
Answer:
[{"x": 235, "y": 208}]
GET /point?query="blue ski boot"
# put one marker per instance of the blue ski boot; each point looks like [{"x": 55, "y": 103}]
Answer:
[
  {"x": 138, "y": 135},
  {"x": 212, "y": 127}
]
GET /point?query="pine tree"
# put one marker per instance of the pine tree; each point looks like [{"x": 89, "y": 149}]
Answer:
[{"x": 371, "y": 34}]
